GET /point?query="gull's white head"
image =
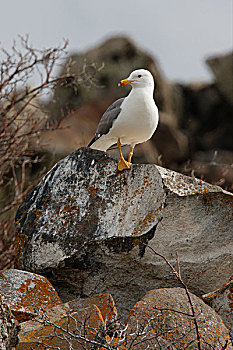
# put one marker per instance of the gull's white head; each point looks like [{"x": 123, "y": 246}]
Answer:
[{"x": 139, "y": 78}]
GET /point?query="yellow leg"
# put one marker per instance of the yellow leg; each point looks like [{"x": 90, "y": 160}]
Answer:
[
  {"x": 130, "y": 154},
  {"x": 122, "y": 164}
]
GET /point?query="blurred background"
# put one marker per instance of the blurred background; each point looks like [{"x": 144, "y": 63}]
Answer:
[
  {"x": 180, "y": 34},
  {"x": 53, "y": 93}
]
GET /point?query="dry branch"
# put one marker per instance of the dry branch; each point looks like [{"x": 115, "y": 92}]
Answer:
[{"x": 23, "y": 118}]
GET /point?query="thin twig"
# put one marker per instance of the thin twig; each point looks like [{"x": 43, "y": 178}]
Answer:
[{"x": 178, "y": 275}]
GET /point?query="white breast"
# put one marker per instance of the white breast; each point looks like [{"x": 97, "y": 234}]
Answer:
[{"x": 138, "y": 119}]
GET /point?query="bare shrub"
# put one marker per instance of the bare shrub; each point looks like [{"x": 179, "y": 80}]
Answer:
[{"x": 22, "y": 119}]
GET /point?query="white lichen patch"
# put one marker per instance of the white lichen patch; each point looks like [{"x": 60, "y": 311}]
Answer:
[{"x": 47, "y": 254}]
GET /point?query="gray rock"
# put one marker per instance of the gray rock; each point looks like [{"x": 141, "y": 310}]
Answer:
[
  {"x": 197, "y": 224},
  {"x": 222, "y": 66},
  {"x": 203, "y": 114},
  {"x": 83, "y": 224},
  {"x": 221, "y": 301},
  {"x": 163, "y": 317},
  {"x": 83, "y": 200}
]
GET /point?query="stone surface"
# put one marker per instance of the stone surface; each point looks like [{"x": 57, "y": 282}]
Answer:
[
  {"x": 221, "y": 301},
  {"x": 62, "y": 330},
  {"x": 83, "y": 224},
  {"x": 80, "y": 202},
  {"x": 26, "y": 293},
  {"x": 8, "y": 327},
  {"x": 162, "y": 319},
  {"x": 104, "y": 302},
  {"x": 98, "y": 311},
  {"x": 197, "y": 224}
]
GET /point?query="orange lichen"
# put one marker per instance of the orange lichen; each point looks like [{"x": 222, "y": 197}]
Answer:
[
  {"x": 22, "y": 316},
  {"x": 34, "y": 293},
  {"x": 92, "y": 190},
  {"x": 87, "y": 321},
  {"x": 38, "y": 213},
  {"x": 113, "y": 342},
  {"x": 105, "y": 303},
  {"x": 148, "y": 219},
  {"x": 172, "y": 323},
  {"x": 67, "y": 208}
]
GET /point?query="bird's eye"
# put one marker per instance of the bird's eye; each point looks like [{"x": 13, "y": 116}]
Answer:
[{"x": 139, "y": 76}]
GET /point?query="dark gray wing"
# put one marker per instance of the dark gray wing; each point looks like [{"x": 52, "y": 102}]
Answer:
[{"x": 107, "y": 119}]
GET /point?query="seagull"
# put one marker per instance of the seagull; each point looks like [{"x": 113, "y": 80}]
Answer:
[{"x": 129, "y": 120}]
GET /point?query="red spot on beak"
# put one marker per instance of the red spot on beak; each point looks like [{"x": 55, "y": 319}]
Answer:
[{"x": 125, "y": 82}]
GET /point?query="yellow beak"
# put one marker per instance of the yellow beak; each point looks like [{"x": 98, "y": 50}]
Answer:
[{"x": 125, "y": 82}]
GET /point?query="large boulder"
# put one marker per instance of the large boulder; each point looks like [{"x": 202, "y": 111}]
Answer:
[
  {"x": 84, "y": 223},
  {"x": 197, "y": 224},
  {"x": 83, "y": 201},
  {"x": 162, "y": 319}
]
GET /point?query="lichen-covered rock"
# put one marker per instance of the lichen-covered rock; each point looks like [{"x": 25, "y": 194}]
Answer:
[
  {"x": 84, "y": 223},
  {"x": 9, "y": 328},
  {"x": 197, "y": 224},
  {"x": 83, "y": 200},
  {"x": 26, "y": 293},
  {"x": 104, "y": 302},
  {"x": 95, "y": 319},
  {"x": 62, "y": 330},
  {"x": 221, "y": 301},
  {"x": 162, "y": 318}
]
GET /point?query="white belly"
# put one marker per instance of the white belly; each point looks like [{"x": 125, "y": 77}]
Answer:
[{"x": 137, "y": 121}]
